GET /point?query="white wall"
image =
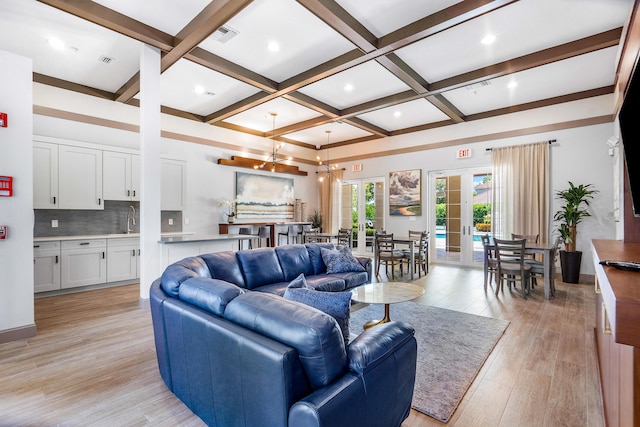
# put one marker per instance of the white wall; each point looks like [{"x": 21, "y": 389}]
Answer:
[{"x": 16, "y": 252}]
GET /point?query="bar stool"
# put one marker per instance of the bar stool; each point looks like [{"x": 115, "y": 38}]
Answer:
[
  {"x": 246, "y": 231},
  {"x": 264, "y": 233}
]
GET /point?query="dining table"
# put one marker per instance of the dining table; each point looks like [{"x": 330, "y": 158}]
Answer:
[{"x": 546, "y": 249}]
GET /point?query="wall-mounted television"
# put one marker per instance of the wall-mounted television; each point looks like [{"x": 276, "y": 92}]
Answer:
[{"x": 629, "y": 118}]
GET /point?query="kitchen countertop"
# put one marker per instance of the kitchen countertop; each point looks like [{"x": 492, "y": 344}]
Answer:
[
  {"x": 104, "y": 236},
  {"x": 203, "y": 238}
]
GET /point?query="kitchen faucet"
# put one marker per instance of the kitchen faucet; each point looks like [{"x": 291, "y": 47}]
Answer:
[{"x": 131, "y": 218}]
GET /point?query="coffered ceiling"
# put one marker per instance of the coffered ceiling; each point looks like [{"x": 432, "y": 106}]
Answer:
[{"x": 363, "y": 69}]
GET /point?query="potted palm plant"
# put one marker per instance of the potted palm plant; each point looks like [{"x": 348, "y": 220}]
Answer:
[
  {"x": 576, "y": 200},
  {"x": 316, "y": 220}
]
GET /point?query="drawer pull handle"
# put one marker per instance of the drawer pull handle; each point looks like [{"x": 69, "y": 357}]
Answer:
[
  {"x": 54, "y": 200},
  {"x": 56, "y": 259},
  {"x": 36, "y": 246},
  {"x": 85, "y": 243},
  {"x": 133, "y": 252},
  {"x": 102, "y": 255},
  {"x": 606, "y": 328}
]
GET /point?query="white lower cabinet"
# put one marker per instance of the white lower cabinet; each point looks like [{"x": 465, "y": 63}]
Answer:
[
  {"x": 84, "y": 263},
  {"x": 123, "y": 259},
  {"x": 46, "y": 266}
]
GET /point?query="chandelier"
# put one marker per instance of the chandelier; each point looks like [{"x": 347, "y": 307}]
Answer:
[
  {"x": 273, "y": 159},
  {"x": 329, "y": 172}
]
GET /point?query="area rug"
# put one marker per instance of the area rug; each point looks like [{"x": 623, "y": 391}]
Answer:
[{"x": 452, "y": 347}]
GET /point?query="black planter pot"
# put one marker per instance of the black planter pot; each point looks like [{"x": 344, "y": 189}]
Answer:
[{"x": 570, "y": 263}]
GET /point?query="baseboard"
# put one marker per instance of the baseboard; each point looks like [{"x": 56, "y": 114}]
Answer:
[{"x": 18, "y": 334}]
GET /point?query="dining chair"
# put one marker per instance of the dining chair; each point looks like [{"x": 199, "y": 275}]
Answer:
[
  {"x": 537, "y": 267},
  {"x": 511, "y": 265},
  {"x": 387, "y": 254},
  {"x": 530, "y": 238},
  {"x": 490, "y": 260},
  {"x": 420, "y": 251},
  {"x": 344, "y": 237},
  {"x": 311, "y": 236}
]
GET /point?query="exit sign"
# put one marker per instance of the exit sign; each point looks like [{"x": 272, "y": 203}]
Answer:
[
  {"x": 465, "y": 153},
  {"x": 357, "y": 167}
]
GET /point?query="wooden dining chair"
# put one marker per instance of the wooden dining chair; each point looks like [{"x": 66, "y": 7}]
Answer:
[
  {"x": 344, "y": 237},
  {"x": 511, "y": 265},
  {"x": 420, "y": 251},
  {"x": 490, "y": 260},
  {"x": 537, "y": 267},
  {"x": 387, "y": 254},
  {"x": 529, "y": 238}
]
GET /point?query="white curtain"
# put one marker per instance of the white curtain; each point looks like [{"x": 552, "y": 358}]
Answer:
[
  {"x": 329, "y": 189},
  {"x": 521, "y": 191}
]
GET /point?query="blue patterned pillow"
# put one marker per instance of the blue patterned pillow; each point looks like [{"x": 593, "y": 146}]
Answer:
[
  {"x": 335, "y": 304},
  {"x": 340, "y": 261}
]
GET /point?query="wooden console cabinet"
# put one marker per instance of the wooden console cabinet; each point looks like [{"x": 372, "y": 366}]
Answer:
[{"x": 618, "y": 332}]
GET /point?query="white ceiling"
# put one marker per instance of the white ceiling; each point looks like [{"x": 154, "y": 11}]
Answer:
[{"x": 410, "y": 64}]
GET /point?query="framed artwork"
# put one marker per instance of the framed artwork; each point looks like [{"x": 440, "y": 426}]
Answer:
[
  {"x": 264, "y": 196},
  {"x": 405, "y": 193}
]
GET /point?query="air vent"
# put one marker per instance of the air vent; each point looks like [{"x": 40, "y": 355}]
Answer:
[
  {"x": 478, "y": 85},
  {"x": 106, "y": 59},
  {"x": 224, "y": 34}
]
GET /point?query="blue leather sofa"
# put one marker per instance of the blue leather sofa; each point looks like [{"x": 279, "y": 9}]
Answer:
[{"x": 237, "y": 357}]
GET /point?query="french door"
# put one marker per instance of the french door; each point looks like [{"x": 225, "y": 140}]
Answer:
[
  {"x": 461, "y": 213},
  {"x": 362, "y": 210}
]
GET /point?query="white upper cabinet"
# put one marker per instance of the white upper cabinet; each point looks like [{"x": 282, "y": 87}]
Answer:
[
  {"x": 172, "y": 185},
  {"x": 80, "y": 178},
  {"x": 45, "y": 175},
  {"x": 121, "y": 180}
]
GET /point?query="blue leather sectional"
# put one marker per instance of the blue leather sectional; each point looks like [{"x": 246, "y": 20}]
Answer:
[{"x": 238, "y": 354}]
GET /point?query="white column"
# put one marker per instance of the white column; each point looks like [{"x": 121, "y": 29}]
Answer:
[
  {"x": 16, "y": 212},
  {"x": 150, "y": 226}
]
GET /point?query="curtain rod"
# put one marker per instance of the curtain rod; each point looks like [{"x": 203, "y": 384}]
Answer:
[{"x": 551, "y": 141}]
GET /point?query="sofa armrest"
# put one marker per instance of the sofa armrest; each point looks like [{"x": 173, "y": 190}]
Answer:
[
  {"x": 374, "y": 345},
  {"x": 367, "y": 263},
  {"x": 376, "y": 392}
]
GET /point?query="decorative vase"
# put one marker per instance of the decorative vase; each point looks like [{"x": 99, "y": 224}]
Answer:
[{"x": 231, "y": 219}]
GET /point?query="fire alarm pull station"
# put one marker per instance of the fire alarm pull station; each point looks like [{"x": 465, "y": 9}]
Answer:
[
  {"x": 3, "y": 120},
  {"x": 3, "y": 232},
  {"x": 6, "y": 186}
]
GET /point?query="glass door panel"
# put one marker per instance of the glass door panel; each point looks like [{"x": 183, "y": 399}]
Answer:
[
  {"x": 362, "y": 210},
  {"x": 462, "y": 208}
]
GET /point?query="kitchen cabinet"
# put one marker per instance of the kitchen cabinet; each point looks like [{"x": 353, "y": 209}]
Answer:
[
  {"x": 123, "y": 259},
  {"x": 45, "y": 175},
  {"x": 172, "y": 184},
  {"x": 84, "y": 262},
  {"x": 121, "y": 179},
  {"x": 46, "y": 266},
  {"x": 80, "y": 178}
]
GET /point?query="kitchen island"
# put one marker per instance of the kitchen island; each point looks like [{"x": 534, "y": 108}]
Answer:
[{"x": 175, "y": 248}]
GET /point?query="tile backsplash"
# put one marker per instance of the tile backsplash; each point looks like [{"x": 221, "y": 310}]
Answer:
[{"x": 111, "y": 220}]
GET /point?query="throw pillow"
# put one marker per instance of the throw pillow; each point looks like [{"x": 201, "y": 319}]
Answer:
[
  {"x": 335, "y": 304},
  {"x": 340, "y": 261}
]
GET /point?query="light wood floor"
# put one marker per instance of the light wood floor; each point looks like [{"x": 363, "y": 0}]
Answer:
[{"x": 93, "y": 361}]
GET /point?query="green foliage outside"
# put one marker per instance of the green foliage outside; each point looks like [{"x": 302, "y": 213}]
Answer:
[{"x": 481, "y": 214}]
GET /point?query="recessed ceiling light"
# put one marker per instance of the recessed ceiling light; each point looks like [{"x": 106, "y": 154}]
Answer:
[
  {"x": 199, "y": 90},
  {"x": 55, "y": 43},
  {"x": 397, "y": 114},
  {"x": 273, "y": 46},
  {"x": 488, "y": 39},
  {"x": 512, "y": 84},
  {"x": 348, "y": 87}
]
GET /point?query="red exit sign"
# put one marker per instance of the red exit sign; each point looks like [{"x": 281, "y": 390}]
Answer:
[{"x": 465, "y": 153}]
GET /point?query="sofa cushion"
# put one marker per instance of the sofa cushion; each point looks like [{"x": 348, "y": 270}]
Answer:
[
  {"x": 351, "y": 279},
  {"x": 326, "y": 283},
  {"x": 340, "y": 261},
  {"x": 335, "y": 304},
  {"x": 294, "y": 260},
  {"x": 211, "y": 295},
  {"x": 260, "y": 267},
  {"x": 315, "y": 335},
  {"x": 224, "y": 266},
  {"x": 316, "y": 257},
  {"x": 182, "y": 270}
]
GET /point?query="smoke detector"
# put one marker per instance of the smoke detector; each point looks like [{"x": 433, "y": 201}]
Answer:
[{"x": 224, "y": 34}]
